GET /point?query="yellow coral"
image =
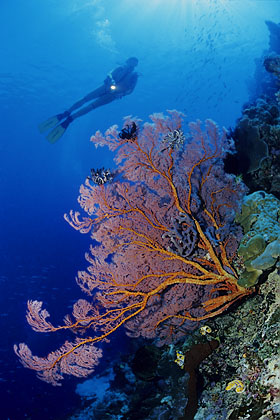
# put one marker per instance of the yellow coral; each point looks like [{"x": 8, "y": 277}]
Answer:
[
  {"x": 180, "y": 359},
  {"x": 237, "y": 385},
  {"x": 205, "y": 330}
]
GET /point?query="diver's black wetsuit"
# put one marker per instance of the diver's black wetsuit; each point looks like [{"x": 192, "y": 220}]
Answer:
[{"x": 119, "y": 83}]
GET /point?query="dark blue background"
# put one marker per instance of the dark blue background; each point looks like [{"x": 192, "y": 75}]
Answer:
[{"x": 194, "y": 55}]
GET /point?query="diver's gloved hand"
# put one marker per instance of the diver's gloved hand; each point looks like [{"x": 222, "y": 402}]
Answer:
[
  {"x": 109, "y": 82},
  {"x": 63, "y": 115}
]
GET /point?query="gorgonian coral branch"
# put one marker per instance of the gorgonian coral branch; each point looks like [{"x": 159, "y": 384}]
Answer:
[{"x": 163, "y": 242}]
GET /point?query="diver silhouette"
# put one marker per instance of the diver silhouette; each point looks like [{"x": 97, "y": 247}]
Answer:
[{"x": 120, "y": 82}]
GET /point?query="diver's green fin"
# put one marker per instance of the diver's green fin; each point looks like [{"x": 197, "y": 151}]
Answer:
[
  {"x": 50, "y": 123},
  {"x": 56, "y": 133}
]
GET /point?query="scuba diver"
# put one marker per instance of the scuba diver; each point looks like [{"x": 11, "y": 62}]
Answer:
[{"x": 120, "y": 82}]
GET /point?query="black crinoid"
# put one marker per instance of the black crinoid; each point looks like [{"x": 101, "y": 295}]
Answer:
[
  {"x": 174, "y": 139},
  {"x": 129, "y": 132},
  {"x": 100, "y": 176}
]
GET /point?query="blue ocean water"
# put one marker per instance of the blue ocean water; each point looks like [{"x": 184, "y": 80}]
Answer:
[{"x": 194, "y": 55}]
